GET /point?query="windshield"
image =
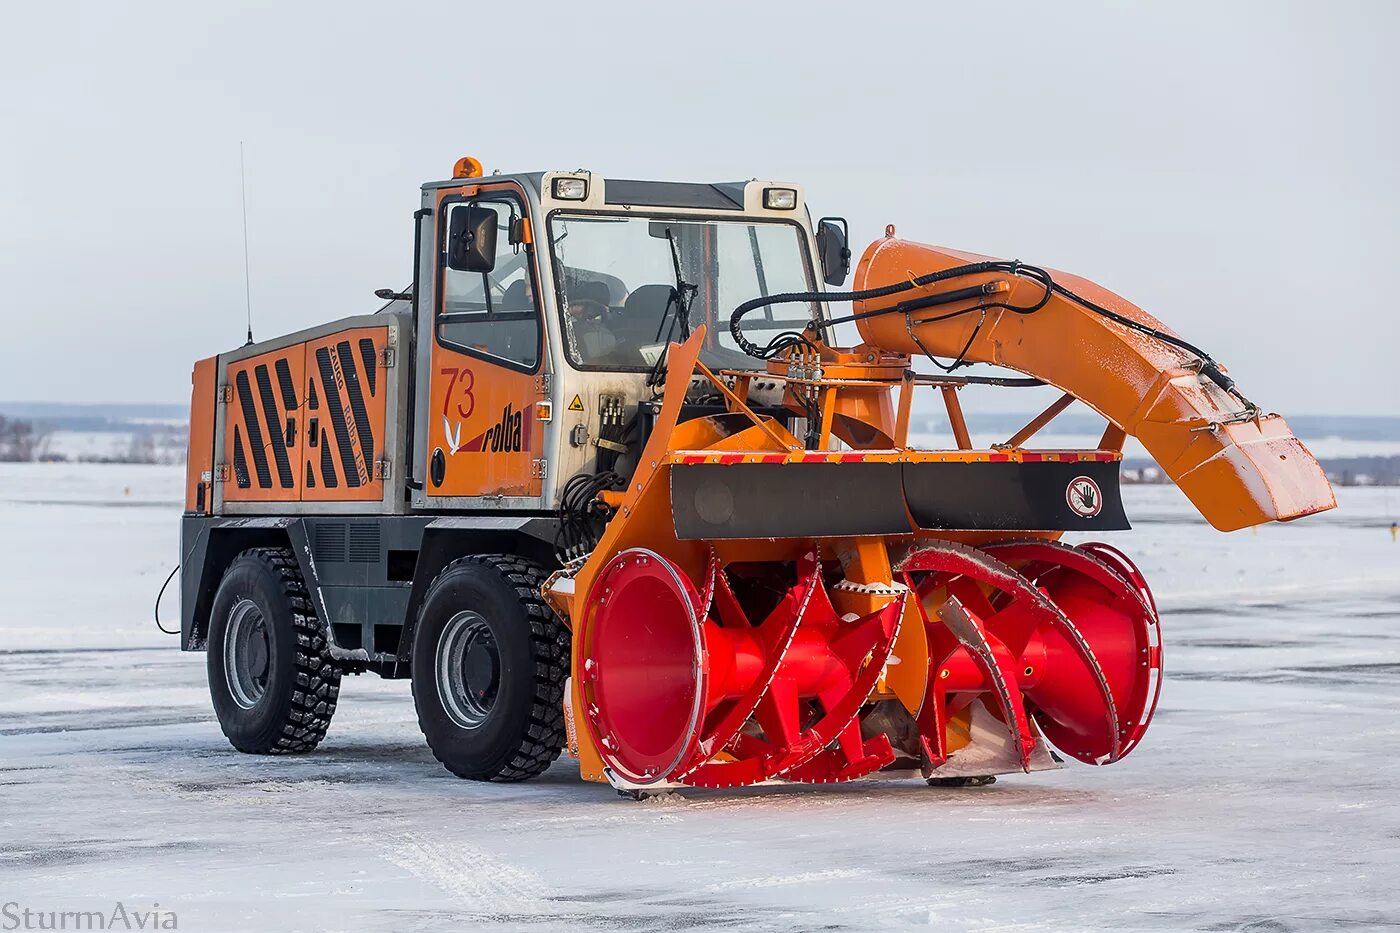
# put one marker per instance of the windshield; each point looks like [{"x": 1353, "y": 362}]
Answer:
[{"x": 624, "y": 282}]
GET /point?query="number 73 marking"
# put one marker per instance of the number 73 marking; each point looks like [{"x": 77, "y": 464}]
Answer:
[{"x": 463, "y": 381}]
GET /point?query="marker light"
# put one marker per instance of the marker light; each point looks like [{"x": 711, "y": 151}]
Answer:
[
  {"x": 570, "y": 189},
  {"x": 467, "y": 167},
  {"x": 780, "y": 199}
]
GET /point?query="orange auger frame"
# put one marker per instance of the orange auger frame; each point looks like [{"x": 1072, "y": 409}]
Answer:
[
  {"x": 1062, "y": 642},
  {"x": 643, "y": 547}
]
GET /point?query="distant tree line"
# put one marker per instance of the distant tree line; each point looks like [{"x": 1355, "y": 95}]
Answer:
[
  {"x": 18, "y": 440},
  {"x": 1363, "y": 471}
]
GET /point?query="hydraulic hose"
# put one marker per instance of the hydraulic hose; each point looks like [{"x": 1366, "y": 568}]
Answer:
[
  {"x": 1208, "y": 367},
  {"x": 884, "y": 291}
]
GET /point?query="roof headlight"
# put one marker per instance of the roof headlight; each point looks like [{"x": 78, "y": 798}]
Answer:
[
  {"x": 780, "y": 199},
  {"x": 570, "y": 189}
]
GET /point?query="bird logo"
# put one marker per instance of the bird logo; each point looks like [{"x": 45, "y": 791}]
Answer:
[{"x": 453, "y": 438}]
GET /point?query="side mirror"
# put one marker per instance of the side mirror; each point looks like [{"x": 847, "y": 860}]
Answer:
[
  {"x": 471, "y": 239},
  {"x": 833, "y": 246}
]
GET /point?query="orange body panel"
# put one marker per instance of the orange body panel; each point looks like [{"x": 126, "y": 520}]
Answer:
[
  {"x": 482, "y": 418},
  {"x": 307, "y": 422},
  {"x": 199, "y": 462},
  {"x": 1236, "y": 469},
  {"x": 346, "y": 405},
  {"x": 263, "y": 437}
]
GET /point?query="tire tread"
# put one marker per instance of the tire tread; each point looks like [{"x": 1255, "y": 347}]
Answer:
[
  {"x": 543, "y": 739},
  {"x": 317, "y": 676}
]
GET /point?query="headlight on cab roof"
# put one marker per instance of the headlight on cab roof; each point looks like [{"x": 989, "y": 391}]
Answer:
[
  {"x": 780, "y": 199},
  {"x": 570, "y": 189}
]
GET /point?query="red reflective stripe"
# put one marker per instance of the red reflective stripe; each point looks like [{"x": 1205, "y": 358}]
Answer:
[
  {"x": 1032, "y": 458},
  {"x": 852, "y": 458},
  {"x": 692, "y": 459},
  {"x": 774, "y": 458},
  {"x": 732, "y": 458},
  {"x": 998, "y": 458}
]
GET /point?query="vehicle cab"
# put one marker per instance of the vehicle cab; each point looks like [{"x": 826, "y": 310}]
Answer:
[{"x": 544, "y": 304}]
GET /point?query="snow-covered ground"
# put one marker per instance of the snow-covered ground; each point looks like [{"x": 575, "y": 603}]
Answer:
[
  {"x": 166, "y": 446},
  {"x": 1266, "y": 796}
]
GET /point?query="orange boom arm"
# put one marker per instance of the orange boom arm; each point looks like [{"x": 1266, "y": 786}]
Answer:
[{"x": 1237, "y": 465}]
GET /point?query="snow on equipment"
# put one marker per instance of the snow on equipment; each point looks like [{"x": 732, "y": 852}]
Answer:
[{"x": 603, "y": 477}]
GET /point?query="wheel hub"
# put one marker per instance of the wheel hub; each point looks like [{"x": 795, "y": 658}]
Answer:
[
  {"x": 246, "y": 654},
  {"x": 469, "y": 669}
]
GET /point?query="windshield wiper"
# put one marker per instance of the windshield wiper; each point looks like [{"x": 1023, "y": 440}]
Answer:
[{"x": 684, "y": 294}]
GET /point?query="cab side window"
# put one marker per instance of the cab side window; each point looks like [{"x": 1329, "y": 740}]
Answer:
[{"x": 492, "y": 313}]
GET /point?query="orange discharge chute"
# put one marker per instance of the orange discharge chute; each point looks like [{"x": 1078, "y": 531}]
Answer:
[{"x": 1239, "y": 466}]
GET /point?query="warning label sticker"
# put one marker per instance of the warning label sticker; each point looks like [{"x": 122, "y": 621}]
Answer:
[{"x": 576, "y": 404}]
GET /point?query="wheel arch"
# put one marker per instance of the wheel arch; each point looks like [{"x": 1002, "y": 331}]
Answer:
[
  {"x": 449, "y": 539},
  {"x": 209, "y": 545}
]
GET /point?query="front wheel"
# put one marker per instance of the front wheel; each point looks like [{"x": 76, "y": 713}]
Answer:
[
  {"x": 271, "y": 676},
  {"x": 489, "y": 663}
]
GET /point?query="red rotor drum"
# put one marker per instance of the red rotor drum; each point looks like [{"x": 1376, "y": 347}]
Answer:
[{"x": 643, "y": 680}]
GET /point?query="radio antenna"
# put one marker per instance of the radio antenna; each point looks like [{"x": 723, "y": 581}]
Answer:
[{"x": 247, "y": 277}]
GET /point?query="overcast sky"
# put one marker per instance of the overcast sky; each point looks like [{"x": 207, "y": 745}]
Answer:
[{"x": 1231, "y": 168}]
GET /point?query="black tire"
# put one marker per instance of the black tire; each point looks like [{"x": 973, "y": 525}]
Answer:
[
  {"x": 504, "y": 719},
  {"x": 275, "y": 690}
]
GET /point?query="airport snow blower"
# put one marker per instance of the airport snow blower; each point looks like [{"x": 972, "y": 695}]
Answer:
[{"x": 607, "y": 476}]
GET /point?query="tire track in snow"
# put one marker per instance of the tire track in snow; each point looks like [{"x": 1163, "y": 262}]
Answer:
[
  {"x": 775, "y": 881},
  {"x": 475, "y": 878}
]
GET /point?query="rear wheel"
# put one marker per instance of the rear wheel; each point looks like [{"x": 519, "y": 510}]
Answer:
[
  {"x": 271, "y": 677},
  {"x": 489, "y": 664}
]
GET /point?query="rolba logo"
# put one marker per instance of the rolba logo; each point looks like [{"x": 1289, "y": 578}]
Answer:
[
  {"x": 504, "y": 436},
  {"x": 508, "y": 435}
]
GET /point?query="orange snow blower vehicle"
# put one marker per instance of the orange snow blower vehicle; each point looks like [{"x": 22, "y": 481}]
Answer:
[{"x": 604, "y": 477}]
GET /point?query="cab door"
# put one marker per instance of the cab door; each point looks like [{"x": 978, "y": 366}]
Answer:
[{"x": 487, "y": 357}]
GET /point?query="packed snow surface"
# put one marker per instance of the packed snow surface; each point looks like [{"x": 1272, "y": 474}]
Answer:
[{"x": 1266, "y": 795}]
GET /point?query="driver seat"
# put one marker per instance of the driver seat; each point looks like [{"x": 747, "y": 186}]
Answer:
[
  {"x": 515, "y": 298},
  {"x": 642, "y": 315}
]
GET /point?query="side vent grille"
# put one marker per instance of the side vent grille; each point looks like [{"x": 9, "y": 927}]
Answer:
[
  {"x": 250, "y": 421},
  {"x": 240, "y": 461},
  {"x": 364, "y": 544},
  {"x": 328, "y": 543}
]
